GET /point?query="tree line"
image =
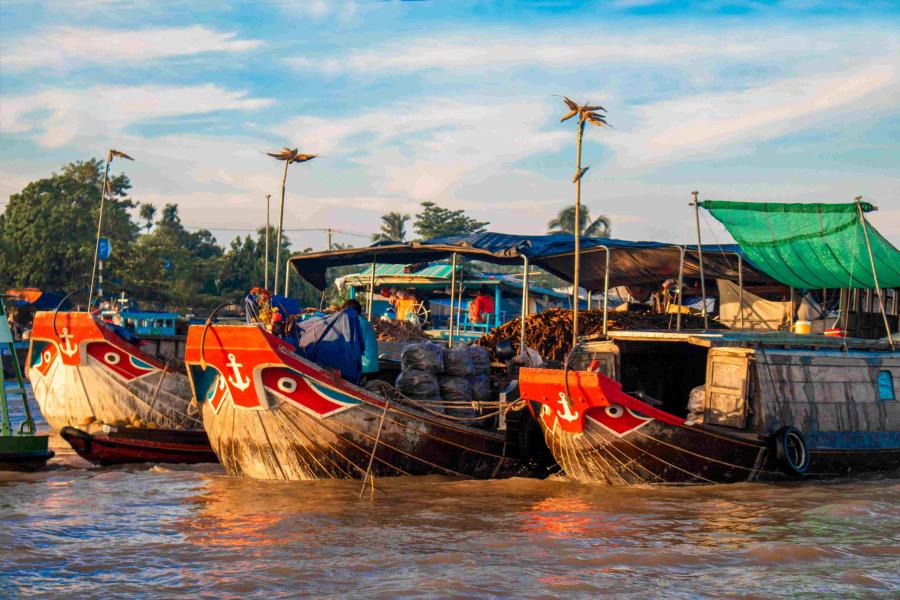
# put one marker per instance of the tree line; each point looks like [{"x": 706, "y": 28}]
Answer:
[{"x": 48, "y": 231}]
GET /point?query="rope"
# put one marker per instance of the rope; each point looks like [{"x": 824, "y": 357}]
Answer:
[{"x": 366, "y": 479}]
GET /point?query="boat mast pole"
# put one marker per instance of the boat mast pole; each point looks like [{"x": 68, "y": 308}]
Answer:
[
  {"x": 605, "y": 289},
  {"x": 696, "y": 206},
  {"x": 524, "y": 305},
  {"x": 372, "y": 292},
  {"x": 740, "y": 288},
  {"x": 109, "y": 157},
  {"x": 268, "y": 234},
  {"x": 577, "y": 227},
  {"x": 680, "y": 289},
  {"x": 287, "y": 163},
  {"x": 862, "y": 221},
  {"x": 452, "y": 294}
]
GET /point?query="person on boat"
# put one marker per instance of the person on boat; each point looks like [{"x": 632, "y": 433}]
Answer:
[
  {"x": 481, "y": 307},
  {"x": 370, "y": 340}
]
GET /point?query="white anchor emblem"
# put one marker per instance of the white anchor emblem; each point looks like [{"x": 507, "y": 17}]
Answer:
[
  {"x": 68, "y": 349},
  {"x": 566, "y": 414},
  {"x": 238, "y": 380}
]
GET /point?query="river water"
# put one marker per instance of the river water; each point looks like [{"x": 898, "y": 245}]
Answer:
[{"x": 78, "y": 531}]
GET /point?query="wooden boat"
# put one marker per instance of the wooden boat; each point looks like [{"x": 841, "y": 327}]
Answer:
[
  {"x": 775, "y": 407},
  {"x": 272, "y": 414},
  {"x": 128, "y": 445},
  {"x": 83, "y": 370}
]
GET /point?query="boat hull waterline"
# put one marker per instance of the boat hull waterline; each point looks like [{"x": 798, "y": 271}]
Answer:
[
  {"x": 82, "y": 370},
  {"x": 271, "y": 414},
  {"x": 599, "y": 434}
]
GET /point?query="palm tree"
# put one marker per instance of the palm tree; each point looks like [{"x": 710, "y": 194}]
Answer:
[
  {"x": 148, "y": 211},
  {"x": 289, "y": 156},
  {"x": 564, "y": 222},
  {"x": 393, "y": 227},
  {"x": 586, "y": 114}
]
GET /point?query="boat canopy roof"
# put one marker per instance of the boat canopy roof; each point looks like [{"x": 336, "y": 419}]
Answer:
[
  {"x": 810, "y": 245},
  {"x": 630, "y": 262}
]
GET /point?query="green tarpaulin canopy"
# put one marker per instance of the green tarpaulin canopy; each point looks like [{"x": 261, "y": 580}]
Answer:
[{"x": 810, "y": 245}]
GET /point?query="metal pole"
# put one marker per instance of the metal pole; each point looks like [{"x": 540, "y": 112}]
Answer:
[
  {"x": 696, "y": 205},
  {"x": 524, "y": 305},
  {"x": 575, "y": 277},
  {"x": 287, "y": 276},
  {"x": 452, "y": 294},
  {"x": 99, "y": 280},
  {"x": 268, "y": 234},
  {"x": 605, "y": 289},
  {"x": 328, "y": 232},
  {"x": 287, "y": 163},
  {"x": 372, "y": 292},
  {"x": 862, "y": 221},
  {"x": 740, "y": 289},
  {"x": 680, "y": 289},
  {"x": 99, "y": 226}
]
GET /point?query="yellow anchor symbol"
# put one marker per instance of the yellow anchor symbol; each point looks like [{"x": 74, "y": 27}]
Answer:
[
  {"x": 68, "y": 349},
  {"x": 566, "y": 414},
  {"x": 238, "y": 380}
]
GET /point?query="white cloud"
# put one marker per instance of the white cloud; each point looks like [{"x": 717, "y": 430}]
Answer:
[
  {"x": 57, "y": 117},
  {"x": 64, "y": 46},
  {"x": 679, "y": 128}
]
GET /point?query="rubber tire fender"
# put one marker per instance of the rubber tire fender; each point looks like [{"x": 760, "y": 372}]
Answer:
[{"x": 792, "y": 451}]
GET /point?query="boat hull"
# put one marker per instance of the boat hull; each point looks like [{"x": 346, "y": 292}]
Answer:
[
  {"x": 140, "y": 446},
  {"x": 270, "y": 414},
  {"x": 81, "y": 370},
  {"x": 27, "y": 452}
]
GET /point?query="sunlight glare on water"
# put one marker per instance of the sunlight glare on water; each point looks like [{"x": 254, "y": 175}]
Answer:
[{"x": 152, "y": 530}]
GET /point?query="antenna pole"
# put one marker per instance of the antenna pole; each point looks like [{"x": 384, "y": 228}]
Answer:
[
  {"x": 862, "y": 221},
  {"x": 268, "y": 234},
  {"x": 696, "y": 206}
]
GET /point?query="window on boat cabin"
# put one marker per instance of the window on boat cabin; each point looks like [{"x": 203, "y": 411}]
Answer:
[{"x": 886, "y": 386}]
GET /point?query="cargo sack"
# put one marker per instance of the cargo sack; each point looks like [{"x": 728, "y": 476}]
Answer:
[
  {"x": 418, "y": 384},
  {"x": 481, "y": 359},
  {"x": 423, "y": 356},
  {"x": 457, "y": 395},
  {"x": 458, "y": 363},
  {"x": 481, "y": 387}
]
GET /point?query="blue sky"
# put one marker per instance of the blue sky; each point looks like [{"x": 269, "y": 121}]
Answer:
[{"x": 457, "y": 103}]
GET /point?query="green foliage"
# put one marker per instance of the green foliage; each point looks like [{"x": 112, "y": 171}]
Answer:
[
  {"x": 48, "y": 230},
  {"x": 147, "y": 212},
  {"x": 564, "y": 222},
  {"x": 434, "y": 221},
  {"x": 393, "y": 227}
]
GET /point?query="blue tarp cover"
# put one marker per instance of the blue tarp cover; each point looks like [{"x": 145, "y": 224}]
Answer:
[{"x": 333, "y": 341}]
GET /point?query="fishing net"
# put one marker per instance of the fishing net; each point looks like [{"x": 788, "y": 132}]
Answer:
[{"x": 810, "y": 246}]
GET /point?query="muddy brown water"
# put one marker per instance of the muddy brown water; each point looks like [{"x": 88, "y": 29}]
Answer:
[{"x": 144, "y": 530}]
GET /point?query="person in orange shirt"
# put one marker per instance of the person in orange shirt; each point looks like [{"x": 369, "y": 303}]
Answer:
[{"x": 481, "y": 306}]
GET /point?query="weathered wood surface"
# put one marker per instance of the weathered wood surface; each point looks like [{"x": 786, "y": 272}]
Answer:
[
  {"x": 67, "y": 395},
  {"x": 287, "y": 442}
]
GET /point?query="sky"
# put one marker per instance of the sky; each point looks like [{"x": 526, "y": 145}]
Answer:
[{"x": 458, "y": 103}]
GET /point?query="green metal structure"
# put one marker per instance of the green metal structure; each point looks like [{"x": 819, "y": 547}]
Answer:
[{"x": 22, "y": 448}]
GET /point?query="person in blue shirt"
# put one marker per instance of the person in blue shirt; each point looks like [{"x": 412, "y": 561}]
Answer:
[{"x": 370, "y": 340}]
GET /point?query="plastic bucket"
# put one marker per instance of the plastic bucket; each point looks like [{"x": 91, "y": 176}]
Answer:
[{"x": 802, "y": 327}]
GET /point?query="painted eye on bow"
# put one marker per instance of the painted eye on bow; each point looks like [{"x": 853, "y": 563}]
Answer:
[
  {"x": 615, "y": 411},
  {"x": 287, "y": 385},
  {"x": 112, "y": 358},
  {"x": 47, "y": 356}
]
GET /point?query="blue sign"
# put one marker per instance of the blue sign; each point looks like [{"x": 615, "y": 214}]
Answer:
[{"x": 103, "y": 249}]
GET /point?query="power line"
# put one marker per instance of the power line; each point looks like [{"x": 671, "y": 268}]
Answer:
[{"x": 286, "y": 229}]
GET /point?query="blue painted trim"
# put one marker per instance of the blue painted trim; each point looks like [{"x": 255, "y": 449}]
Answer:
[{"x": 853, "y": 440}]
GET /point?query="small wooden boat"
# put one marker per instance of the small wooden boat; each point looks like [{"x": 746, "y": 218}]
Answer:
[
  {"x": 773, "y": 408},
  {"x": 82, "y": 369},
  {"x": 272, "y": 414},
  {"x": 130, "y": 445}
]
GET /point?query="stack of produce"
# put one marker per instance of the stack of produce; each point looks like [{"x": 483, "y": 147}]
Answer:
[
  {"x": 132, "y": 422},
  {"x": 397, "y": 331},
  {"x": 550, "y": 332}
]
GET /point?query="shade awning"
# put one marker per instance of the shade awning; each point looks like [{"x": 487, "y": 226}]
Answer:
[
  {"x": 630, "y": 262},
  {"x": 810, "y": 245}
]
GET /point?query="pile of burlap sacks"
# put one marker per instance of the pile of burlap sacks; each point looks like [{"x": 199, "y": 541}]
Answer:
[{"x": 458, "y": 377}]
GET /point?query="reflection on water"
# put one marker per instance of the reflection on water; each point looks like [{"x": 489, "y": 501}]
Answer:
[{"x": 77, "y": 531}]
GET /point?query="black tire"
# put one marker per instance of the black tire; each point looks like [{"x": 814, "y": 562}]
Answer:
[{"x": 792, "y": 451}]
